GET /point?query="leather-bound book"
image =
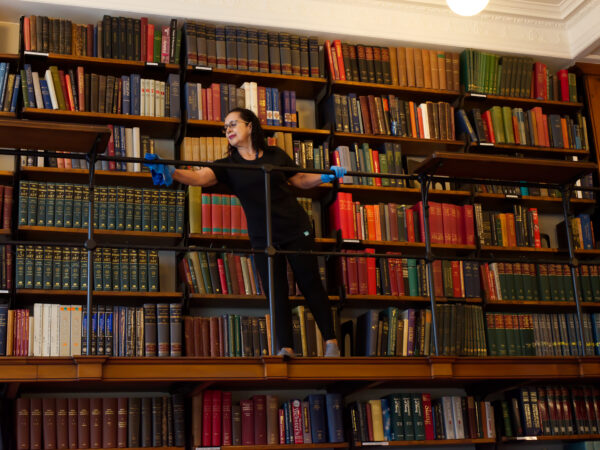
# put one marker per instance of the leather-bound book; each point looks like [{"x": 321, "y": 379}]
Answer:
[
  {"x": 95, "y": 422},
  {"x": 226, "y": 404},
  {"x": 109, "y": 422},
  {"x": 62, "y": 423},
  {"x": 122, "y": 422},
  {"x": 72, "y": 419},
  {"x": 260, "y": 419},
  {"x": 157, "y": 437},
  {"x": 133, "y": 422},
  {"x": 175, "y": 329},
  {"x": 146, "y": 418},
  {"x": 22, "y": 410},
  {"x": 35, "y": 424},
  {"x": 197, "y": 420},
  {"x": 272, "y": 411},
  {"x": 178, "y": 420},
  {"x": 49, "y": 422},
  {"x": 83, "y": 423},
  {"x": 247, "y": 419}
]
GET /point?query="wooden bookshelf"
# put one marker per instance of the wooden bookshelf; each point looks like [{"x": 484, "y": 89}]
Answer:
[
  {"x": 231, "y": 239},
  {"x": 548, "y": 152},
  {"x": 544, "y": 204},
  {"x": 160, "y": 127},
  {"x": 406, "y": 299},
  {"x": 7, "y": 115},
  {"x": 68, "y": 137},
  {"x": 216, "y": 126},
  {"x": 9, "y": 57},
  {"x": 399, "y": 194},
  {"x": 487, "y": 100},
  {"x": 246, "y": 298},
  {"x": 101, "y": 177},
  {"x": 413, "y": 93},
  {"x": 305, "y": 87},
  {"x": 114, "y": 236},
  {"x": 283, "y": 446},
  {"x": 99, "y": 63},
  {"x": 468, "y": 165},
  {"x": 410, "y": 146},
  {"x": 5, "y": 232},
  {"x": 425, "y": 443},
  {"x": 528, "y": 250},
  {"x": 562, "y": 437},
  {"x": 530, "y": 305},
  {"x": 58, "y": 293}
]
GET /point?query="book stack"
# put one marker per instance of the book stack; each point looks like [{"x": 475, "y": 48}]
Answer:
[
  {"x": 461, "y": 330},
  {"x": 398, "y": 66},
  {"x": 419, "y": 417},
  {"x": 75, "y": 90},
  {"x": 509, "y": 76},
  {"x": 364, "y": 158},
  {"x": 389, "y": 115},
  {"x": 112, "y": 37},
  {"x": 100, "y": 421},
  {"x": 216, "y": 214},
  {"x": 214, "y": 101},
  {"x": 9, "y": 88},
  {"x": 519, "y": 228},
  {"x": 265, "y": 420},
  {"x": 241, "y": 48}
]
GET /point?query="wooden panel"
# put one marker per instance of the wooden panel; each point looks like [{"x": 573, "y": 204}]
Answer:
[
  {"x": 516, "y": 368},
  {"x": 404, "y": 92},
  {"x": 101, "y": 236},
  {"x": 549, "y": 152}
]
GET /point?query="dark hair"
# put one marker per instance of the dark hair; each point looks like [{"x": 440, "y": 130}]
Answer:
[{"x": 257, "y": 134}]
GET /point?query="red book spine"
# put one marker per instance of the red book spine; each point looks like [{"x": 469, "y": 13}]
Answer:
[
  {"x": 81, "y": 87},
  {"x": 363, "y": 275},
  {"x": 340, "y": 59},
  {"x": 216, "y": 100},
  {"x": 438, "y": 279},
  {"x": 391, "y": 263},
  {"x": 216, "y": 213},
  {"x": 207, "y": 418},
  {"x": 487, "y": 120},
  {"x": 63, "y": 83},
  {"x": 236, "y": 218},
  {"x": 26, "y": 35},
  {"x": 418, "y": 209},
  {"x": 468, "y": 224},
  {"x": 244, "y": 223},
  {"x": 436, "y": 226},
  {"x": 352, "y": 275},
  {"x": 206, "y": 214},
  {"x": 410, "y": 225},
  {"x": 371, "y": 272},
  {"x": 150, "y": 43},
  {"x": 226, "y": 210},
  {"x": 7, "y": 209},
  {"x": 22, "y": 425},
  {"x": 111, "y": 148},
  {"x": 446, "y": 222},
  {"x": 456, "y": 285},
  {"x": 247, "y": 422},
  {"x": 143, "y": 37},
  {"x": 563, "y": 79},
  {"x": 226, "y": 414},
  {"x": 297, "y": 422},
  {"x": 216, "y": 418},
  {"x": 35, "y": 429},
  {"x": 335, "y": 214},
  {"x": 428, "y": 417},
  {"x": 207, "y": 107},
  {"x": 330, "y": 63},
  {"x": 281, "y": 417},
  {"x": 536, "y": 228},
  {"x": 259, "y": 405},
  {"x": 376, "y": 168},
  {"x": 222, "y": 277}
]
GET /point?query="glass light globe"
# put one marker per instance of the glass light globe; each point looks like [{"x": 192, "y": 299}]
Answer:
[{"x": 467, "y": 7}]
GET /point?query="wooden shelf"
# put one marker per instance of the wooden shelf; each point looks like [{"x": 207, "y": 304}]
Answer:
[
  {"x": 468, "y": 165},
  {"x": 529, "y": 305},
  {"x": 28, "y": 134},
  {"x": 438, "y": 442},
  {"x": 281, "y": 446},
  {"x": 8, "y": 115},
  {"x": 542, "y": 251},
  {"x": 414, "y": 93},
  {"x": 246, "y": 298},
  {"x": 399, "y": 194},
  {"x": 305, "y": 87},
  {"x": 474, "y": 99},
  {"x": 547, "y": 204},
  {"x": 4, "y": 231},
  {"x": 228, "y": 238},
  {"x": 9, "y": 56},
  {"x": 406, "y": 299},
  {"x": 218, "y": 125},
  {"x": 78, "y": 234},
  {"x": 91, "y": 61},
  {"x": 407, "y": 246},
  {"x": 410, "y": 146},
  {"x": 150, "y": 296},
  {"x": 101, "y": 177},
  {"x": 527, "y": 149},
  {"x": 163, "y": 127},
  {"x": 564, "y": 437}
]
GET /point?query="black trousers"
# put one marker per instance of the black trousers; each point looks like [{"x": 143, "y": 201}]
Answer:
[{"x": 306, "y": 273}]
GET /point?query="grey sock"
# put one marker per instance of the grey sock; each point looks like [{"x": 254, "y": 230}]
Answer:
[
  {"x": 332, "y": 350},
  {"x": 284, "y": 352}
]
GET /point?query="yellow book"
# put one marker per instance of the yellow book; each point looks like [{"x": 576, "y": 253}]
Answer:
[
  {"x": 377, "y": 416},
  {"x": 195, "y": 208},
  {"x": 300, "y": 311}
]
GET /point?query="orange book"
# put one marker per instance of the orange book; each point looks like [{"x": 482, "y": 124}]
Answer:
[
  {"x": 376, "y": 168},
  {"x": 26, "y": 35},
  {"x": 546, "y": 133},
  {"x": 335, "y": 75},
  {"x": 393, "y": 65},
  {"x": 511, "y": 232},
  {"x": 487, "y": 118},
  {"x": 376, "y": 213},
  {"x": 71, "y": 100},
  {"x": 427, "y": 78},
  {"x": 413, "y": 119},
  {"x": 340, "y": 59},
  {"x": 421, "y": 132},
  {"x": 516, "y": 130},
  {"x": 565, "y": 133},
  {"x": 329, "y": 58},
  {"x": 150, "y": 43},
  {"x": 371, "y": 233},
  {"x": 410, "y": 67},
  {"x": 402, "y": 75}
]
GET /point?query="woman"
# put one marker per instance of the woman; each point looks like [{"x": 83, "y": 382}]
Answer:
[{"x": 291, "y": 228}]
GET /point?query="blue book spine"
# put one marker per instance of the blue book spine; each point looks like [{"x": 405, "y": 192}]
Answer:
[
  {"x": 276, "y": 108},
  {"x": 135, "y": 94},
  {"x": 316, "y": 406},
  {"x": 95, "y": 39},
  {"x": 122, "y": 151},
  {"x": 191, "y": 96},
  {"x": 586, "y": 231},
  {"x": 387, "y": 419},
  {"x": 3, "y": 77},
  {"x": 15, "y": 96},
  {"x": 174, "y": 90},
  {"x": 269, "y": 106},
  {"x": 293, "y": 115},
  {"x": 30, "y": 93},
  {"x": 353, "y": 110},
  {"x": 3, "y": 324},
  {"x": 335, "y": 425},
  {"x": 126, "y": 104},
  {"x": 285, "y": 108},
  {"x": 45, "y": 94}
]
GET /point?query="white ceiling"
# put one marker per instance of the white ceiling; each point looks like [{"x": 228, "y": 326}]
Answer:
[{"x": 556, "y": 31}]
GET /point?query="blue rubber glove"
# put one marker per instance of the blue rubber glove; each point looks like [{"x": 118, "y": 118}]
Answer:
[
  {"x": 162, "y": 175},
  {"x": 339, "y": 173}
]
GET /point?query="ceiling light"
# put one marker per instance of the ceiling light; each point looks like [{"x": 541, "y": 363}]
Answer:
[{"x": 467, "y": 7}]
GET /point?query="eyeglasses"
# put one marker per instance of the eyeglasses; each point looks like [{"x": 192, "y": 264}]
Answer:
[{"x": 232, "y": 124}]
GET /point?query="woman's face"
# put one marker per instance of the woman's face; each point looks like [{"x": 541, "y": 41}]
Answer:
[{"x": 237, "y": 130}]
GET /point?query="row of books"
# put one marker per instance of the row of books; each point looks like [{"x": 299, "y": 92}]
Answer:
[
  {"x": 47, "y": 267},
  {"x": 49, "y": 204},
  {"x": 541, "y": 334},
  {"x": 550, "y": 410},
  {"x": 9, "y": 88},
  {"x": 389, "y": 115},
  {"x": 582, "y": 232},
  {"x": 364, "y": 158},
  {"x": 213, "y": 102},
  {"x": 506, "y": 125},
  {"x": 112, "y": 37},
  {"x": 255, "y": 50},
  {"x": 75, "y": 90},
  {"x": 203, "y": 149},
  {"x": 216, "y": 213},
  {"x": 265, "y": 419},
  {"x": 509, "y": 76},
  {"x": 519, "y": 228},
  {"x": 398, "y": 66},
  {"x": 519, "y": 191},
  {"x": 419, "y": 417},
  {"x": 539, "y": 282},
  {"x": 59, "y": 422}
]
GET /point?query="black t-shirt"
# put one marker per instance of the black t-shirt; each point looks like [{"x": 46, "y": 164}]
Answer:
[{"x": 288, "y": 218}]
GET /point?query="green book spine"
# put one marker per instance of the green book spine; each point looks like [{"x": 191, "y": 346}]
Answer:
[
  {"x": 116, "y": 269},
  {"x": 179, "y": 211},
  {"x": 47, "y": 278},
  {"x": 37, "y": 254},
  {"x": 50, "y": 202},
  {"x": 96, "y": 213},
  {"x": 227, "y": 274},
  {"x": 56, "y": 268},
  {"x": 595, "y": 282},
  {"x": 32, "y": 203},
  {"x": 511, "y": 344},
  {"x": 407, "y": 418},
  {"x": 66, "y": 268},
  {"x": 20, "y": 267},
  {"x": 41, "y": 205},
  {"x": 417, "y": 412},
  {"x": 137, "y": 210},
  {"x": 85, "y": 207},
  {"x": 383, "y": 167},
  {"x": 146, "y": 209},
  {"x": 154, "y": 207},
  {"x": 157, "y": 42},
  {"x": 238, "y": 335},
  {"x": 143, "y": 270},
  {"x": 120, "y": 209},
  {"x": 75, "y": 269},
  {"x": 413, "y": 277},
  {"x": 163, "y": 212},
  {"x": 171, "y": 211},
  {"x": 98, "y": 285},
  {"x": 133, "y": 270},
  {"x": 124, "y": 284},
  {"x": 83, "y": 262},
  {"x": 129, "y": 200},
  {"x": 111, "y": 220},
  {"x": 68, "y": 208},
  {"x": 153, "y": 271},
  {"x": 106, "y": 269},
  {"x": 205, "y": 272},
  {"x": 77, "y": 198},
  {"x": 59, "y": 205},
  {"x": 102, "y": 207},
  {"x": 24, "y": 89},
  {"x": 226, "y": 205}
]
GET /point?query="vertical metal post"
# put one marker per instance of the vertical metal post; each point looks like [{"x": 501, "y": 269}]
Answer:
[
  {"x": 424, "y": 180},
  {"x": 90, "y": 245},
  {"x": 270, "y": 252},
  {"x": 566, "y": 199}
]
